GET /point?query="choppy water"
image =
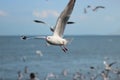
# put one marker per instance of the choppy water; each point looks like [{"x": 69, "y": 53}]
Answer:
[{"x": 84, "y": 52}]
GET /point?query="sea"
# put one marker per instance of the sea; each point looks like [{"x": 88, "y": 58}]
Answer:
[{"x": 85, "y": 56}]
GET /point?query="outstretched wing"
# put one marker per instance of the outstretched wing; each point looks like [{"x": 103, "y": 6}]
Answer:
[
  {"x": 112, "y": 63},
  {"x": 38, "y": 21},
  {"x": 63, "y": 19},
  {"x": 98, "y": 8},
  {"x": 32, "y": 37}
]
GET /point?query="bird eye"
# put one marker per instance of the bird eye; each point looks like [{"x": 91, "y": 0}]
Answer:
[{"x": 48, "y": 37}]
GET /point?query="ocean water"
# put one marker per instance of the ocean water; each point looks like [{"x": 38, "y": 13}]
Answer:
[{"x": 84, "y": 52}]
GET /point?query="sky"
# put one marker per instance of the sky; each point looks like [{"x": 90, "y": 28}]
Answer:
[{"x": 16, "y": 17}]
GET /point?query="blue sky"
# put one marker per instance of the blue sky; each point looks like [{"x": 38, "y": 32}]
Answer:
[{"x": 16, "y": 17}]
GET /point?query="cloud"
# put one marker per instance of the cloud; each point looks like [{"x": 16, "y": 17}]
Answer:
[
  {"x": 45, "y": 13},
  {"x": 3, "y": 13}
]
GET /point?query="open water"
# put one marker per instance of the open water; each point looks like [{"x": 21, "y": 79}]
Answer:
[{"x": 84, "y": 52}]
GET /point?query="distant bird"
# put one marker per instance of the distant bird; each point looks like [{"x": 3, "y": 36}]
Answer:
[
  {"x": 85, "y": 11},
  {"x": 94, "y": 77},
  {"x": 77, "y": 76},
  {"x": 26, "y": 69},
  {"x": 24, "y": 58},
  {"x": 38, "y": 52},
  {"x": 88, "y": 6},
  {"x": 51, "y": 75},
  {"x": 65, "y": 72},
  {"x": 20, "y": 75},
  {"x": 57, "y": 37},
  {"x": 97, "y": 7},
  {"x": 104, "y": 75},
  {"x": 92, "y": 67},
  {"x": 108, "y": 66},
  {"x": 24, "y": 37}
]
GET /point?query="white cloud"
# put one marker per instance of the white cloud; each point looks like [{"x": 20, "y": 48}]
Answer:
[
  {"x": 45, "y": 13},
  {"x": 3, "y": 13}
]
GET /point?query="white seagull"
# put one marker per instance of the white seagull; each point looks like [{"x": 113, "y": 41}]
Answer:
[
  {"x": 57, "y": 37},
  {"x": 108, "y": 66}
]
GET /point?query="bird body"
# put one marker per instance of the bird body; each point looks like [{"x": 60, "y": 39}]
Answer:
[
  {"x": 56, "y": 40},
  {"x": 57, "y": 37}
]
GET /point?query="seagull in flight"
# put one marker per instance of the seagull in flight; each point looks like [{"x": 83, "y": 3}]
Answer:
[
  {"x": 97, "y": 7},
  {"x": 57, "y": 37},
  {"x": 108, "y": 67}
]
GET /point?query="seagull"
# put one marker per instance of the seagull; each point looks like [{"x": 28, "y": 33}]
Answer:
[
  {"x": 26, "y": 69},
  {"x": 20, "y": 75},
  {"x": 24, "y": 37},
  {"x": 57, "y": 37},
  {"x": 97, "y": 7},
  {"x": 38, "y": 52},
  {"x": 108, "y": 66},
  {"x": 65, "y": 72},
  {"x": 51, "y": 75},
  {"x": 88, "y": 6},
  {"x": 92, "y": 67},
  {"x": 85, "y": 11},
  {"x": 78, "y": 76},
  {"x": 94, "y": 77},
  {"x": 104, "y": 75},
  {"x": 23, "y": 58}
]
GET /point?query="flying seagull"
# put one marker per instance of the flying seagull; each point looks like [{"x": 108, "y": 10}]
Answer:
[
  {"x": 108, "y": 66},
  {"x": 104, "y": 75},
  {"x": 57, "y": 37},
  {"x": 97, "y": 7},
  {"x": 85, "y": 11},
  {"x": 88, "y": 6}
]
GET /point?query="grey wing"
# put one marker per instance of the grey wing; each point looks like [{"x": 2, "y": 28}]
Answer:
[
  {"x": 112, "y": 63},
  {"x": 98, "y": 8},
  {"x": 63, "y": 19}
]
